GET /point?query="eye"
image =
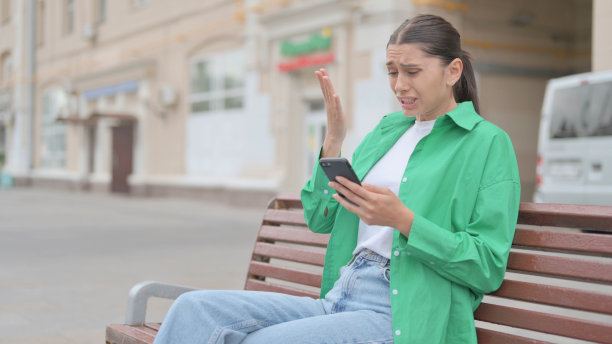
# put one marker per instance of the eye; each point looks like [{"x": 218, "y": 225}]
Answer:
[
  {"x": 392, "y": 73},
  {"x": 413, "y": 73}
]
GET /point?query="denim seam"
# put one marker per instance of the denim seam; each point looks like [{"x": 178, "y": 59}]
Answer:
[
  {"x": 237, "y": 326},
  {"x": 384, "y": 341}
]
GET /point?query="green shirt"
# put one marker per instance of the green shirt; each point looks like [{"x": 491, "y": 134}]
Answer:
[{"x": 462, "y": 183}]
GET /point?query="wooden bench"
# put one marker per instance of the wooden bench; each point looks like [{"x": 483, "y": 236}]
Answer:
[{"x": 558, "y": 287}]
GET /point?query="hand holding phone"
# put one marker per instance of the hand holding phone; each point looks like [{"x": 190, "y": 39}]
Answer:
[{"x": 334, "y": 167}]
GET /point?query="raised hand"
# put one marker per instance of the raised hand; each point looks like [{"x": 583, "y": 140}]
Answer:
[{"x": 336, "y": 120}]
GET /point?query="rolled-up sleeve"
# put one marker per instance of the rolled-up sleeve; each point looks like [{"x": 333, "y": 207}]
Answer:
[{"x": 319, "y": 206}]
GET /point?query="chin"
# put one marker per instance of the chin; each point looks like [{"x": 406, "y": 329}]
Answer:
[{"x": 411, "y": 113}]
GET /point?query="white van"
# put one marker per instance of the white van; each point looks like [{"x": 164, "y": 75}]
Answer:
[{"x": 575, "y": 141}]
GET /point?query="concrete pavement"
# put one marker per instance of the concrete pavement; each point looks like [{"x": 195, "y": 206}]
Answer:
[{"x": 68, "y": 260}]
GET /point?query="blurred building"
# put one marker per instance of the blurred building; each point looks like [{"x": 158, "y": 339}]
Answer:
[{"x": 218, "y": 99}]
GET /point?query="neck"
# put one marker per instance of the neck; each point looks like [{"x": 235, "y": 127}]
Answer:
[{"x": 444, "y": 108}]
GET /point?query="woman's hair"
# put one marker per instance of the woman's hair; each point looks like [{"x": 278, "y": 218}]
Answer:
[{"x": 439, "y": 38}]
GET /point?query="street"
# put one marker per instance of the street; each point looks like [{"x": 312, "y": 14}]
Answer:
[{"x": 69, "y": 259}]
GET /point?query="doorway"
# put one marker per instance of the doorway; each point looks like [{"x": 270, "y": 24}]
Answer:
[{"x": 122, "y": 157}]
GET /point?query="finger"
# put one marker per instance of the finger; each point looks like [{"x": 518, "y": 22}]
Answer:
[
  {"x": 345, "y": 191},
  {"x": 322, "y": 84},
  {"x": 338, "y": 104},
  {"x": 328, "y": 91},
  {"x": 348, "y": 205},
  {"x": 353, "y": 187},
  {"x": 329, "y": 83},
  {"x": 375, "y": 188}
]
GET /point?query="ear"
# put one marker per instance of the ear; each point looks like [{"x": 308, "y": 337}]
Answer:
[{"x": 453, "y": 71}]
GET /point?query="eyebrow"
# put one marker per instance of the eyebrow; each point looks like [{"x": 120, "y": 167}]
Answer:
[{"x": 403, "y": 65}]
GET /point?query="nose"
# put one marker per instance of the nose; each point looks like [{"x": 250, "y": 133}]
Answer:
[{"x": 401, "y": 84}]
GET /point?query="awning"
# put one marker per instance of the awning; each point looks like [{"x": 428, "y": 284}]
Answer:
[
  {"x": 110, "y": 90},
  {"x": 94, "y": 117}
]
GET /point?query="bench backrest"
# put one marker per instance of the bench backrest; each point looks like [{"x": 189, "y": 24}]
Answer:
[{"x": 559, "y": 279}]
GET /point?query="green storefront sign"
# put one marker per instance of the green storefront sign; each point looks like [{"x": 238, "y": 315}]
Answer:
[{"x": 316, "y": 41}]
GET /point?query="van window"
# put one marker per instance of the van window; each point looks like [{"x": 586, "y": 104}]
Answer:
[{"x": 582, "y": 111}]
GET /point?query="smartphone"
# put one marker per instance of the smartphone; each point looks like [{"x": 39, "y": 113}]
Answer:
[{"x": 334, "y": 167}]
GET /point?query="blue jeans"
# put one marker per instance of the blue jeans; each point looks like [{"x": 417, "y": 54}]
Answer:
[{"x": 356, "y": 310}]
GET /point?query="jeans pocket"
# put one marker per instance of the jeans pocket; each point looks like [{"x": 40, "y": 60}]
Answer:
[{"x": 387, "y": 274}]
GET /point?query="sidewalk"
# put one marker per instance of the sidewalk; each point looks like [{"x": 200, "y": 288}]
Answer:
[{"x": 68, "y": 260}]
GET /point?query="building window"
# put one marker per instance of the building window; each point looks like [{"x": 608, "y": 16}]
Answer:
[
  {"x": 217, "y": 83},
  {"x": 2, "y": 145},
  {"x": 5, "y": 11},
  {"x": 40, "y": 23},
  {"x": 6, "y": 69},
  {"x": 139, "y": 3},
  {"x": 68, "y": 17},
  {"x": 53, "y": 148},
  {"x": 100, "y": 11}
]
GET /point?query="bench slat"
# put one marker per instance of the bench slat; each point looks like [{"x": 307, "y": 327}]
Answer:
[
  {"x": 284, "y": 217},
  {"x": 124, "y": 334},
  {"x": 288, "y": 201},
  {"x": 488, "y": 336},
  {"x": 566, "y": 215},
  {"x": 544, "y": 322},
  {"x": 556, "y": 296},
  {"x": 154, "y": 326},
  {"x": 561, "y": 266},
  {"x": 293, "y": 235},
  {"x": 286, "y": 274},
  {"x": 252, "y": 284},
  {"x": 293, "y": 254},
  {"x": 592, "y": 243}
]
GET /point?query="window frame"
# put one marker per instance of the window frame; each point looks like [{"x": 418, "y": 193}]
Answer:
[
  {"x": 101, "y": 11},
  {"x": 69, "y": 18},
  {"x": 6, "y": 69},
  {"x": 40, "y": 22},
  {"x": 5, "y": 11},
  {"x": 140, "y": 3},
  {"x": 218, "y": 94},
  {"x": 53, "y": 134}
]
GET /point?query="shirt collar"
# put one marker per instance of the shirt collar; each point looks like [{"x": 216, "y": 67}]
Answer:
[{"x": 464, "y": 116}]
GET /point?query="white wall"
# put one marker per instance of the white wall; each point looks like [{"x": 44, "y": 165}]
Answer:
[{"x": 602, "y": 40}]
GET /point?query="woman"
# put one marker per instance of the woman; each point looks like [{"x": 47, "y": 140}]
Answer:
[{"x": 430, "y": 230}]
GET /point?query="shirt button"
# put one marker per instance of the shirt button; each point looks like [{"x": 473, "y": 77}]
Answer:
[
  {"x": 408, "y": 253},
  {"x": 404, "y": 180},
  {"x": 325, "y": 191},
  {"x": 398, "y": 332},
  {"x": 394, "y": 291},
  {"x": 396, "y": 253},
  {"x": 432, "y": 263}
]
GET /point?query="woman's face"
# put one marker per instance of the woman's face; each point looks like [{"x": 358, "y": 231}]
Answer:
[{"x": 421, "y": 83}]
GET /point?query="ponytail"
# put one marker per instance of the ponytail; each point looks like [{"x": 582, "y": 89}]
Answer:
[{"x": 465, "y": 89}]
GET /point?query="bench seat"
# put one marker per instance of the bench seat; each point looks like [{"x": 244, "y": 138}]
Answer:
[{"x": 558, "y": 287}]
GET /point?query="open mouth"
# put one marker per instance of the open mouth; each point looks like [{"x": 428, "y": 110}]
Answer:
[{"x": 407, "y": 102}]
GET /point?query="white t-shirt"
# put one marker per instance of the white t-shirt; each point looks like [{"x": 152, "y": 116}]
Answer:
[{"x": 388, "y": 172}]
